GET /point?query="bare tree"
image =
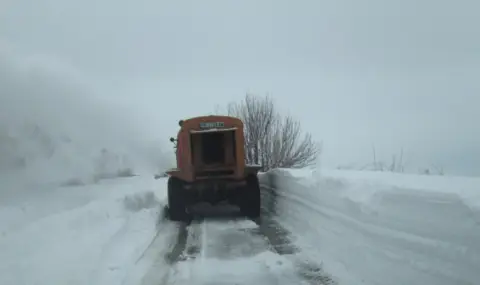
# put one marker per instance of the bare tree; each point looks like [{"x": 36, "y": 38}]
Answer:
[{"x": 272, "y": 140}]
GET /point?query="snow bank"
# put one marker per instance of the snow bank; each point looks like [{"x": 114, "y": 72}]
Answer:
[
  {"x": 54, "y": 128},
  {"x": 383, "y": 228},
  {"x": 465, "y": 188},
  {"x": 93, "y": 236}
]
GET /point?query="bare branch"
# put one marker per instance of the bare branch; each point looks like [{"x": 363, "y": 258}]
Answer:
[{"x": 273, "y": 140}]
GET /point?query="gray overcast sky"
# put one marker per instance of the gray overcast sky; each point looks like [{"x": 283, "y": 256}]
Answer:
[{"x": 393, "y": 73}]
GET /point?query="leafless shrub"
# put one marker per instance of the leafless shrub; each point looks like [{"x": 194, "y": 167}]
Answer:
[
  {"x": 396, "y": 165},
  {"x": 271, "y": 139},
  {"x": 433, "y": 170}
]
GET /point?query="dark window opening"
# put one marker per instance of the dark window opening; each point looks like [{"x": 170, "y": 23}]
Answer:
[{"x": 213, "y": 148}]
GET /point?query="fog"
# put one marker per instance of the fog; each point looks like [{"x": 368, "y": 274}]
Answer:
[
  {"x": 393, "y": 74},
  {"x": 55, "y": 129}
]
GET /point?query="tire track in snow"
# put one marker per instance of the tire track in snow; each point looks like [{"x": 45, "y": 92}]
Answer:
[
  {"x": 263, "y": 246},
  {"x": 201, "y": 252},
  {"x": 160, "y": 258},
  {"x": 264, "y": 250},
  {"x": 151, "y": 264},
  {"x": 172, "y": 244},
  {"x": 105, "y": 269},
  {"x": 117, "y": 254}
]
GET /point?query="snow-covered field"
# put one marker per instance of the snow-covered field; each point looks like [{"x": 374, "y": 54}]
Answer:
[
  {"x": 362, "y": 227},
  {"x": 385, "y": 228}
]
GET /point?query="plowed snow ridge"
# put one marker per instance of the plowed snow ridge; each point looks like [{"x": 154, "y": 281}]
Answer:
[{"x": 385, "y": 228}]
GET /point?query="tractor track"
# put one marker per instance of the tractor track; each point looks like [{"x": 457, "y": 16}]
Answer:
[{"x": 227, "y": 238}]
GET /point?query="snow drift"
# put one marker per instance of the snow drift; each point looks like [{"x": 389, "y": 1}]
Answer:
[{"x": 384, "y": 228}]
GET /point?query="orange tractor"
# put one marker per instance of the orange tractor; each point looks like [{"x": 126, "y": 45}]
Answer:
[{"x": 211, "y": 168}]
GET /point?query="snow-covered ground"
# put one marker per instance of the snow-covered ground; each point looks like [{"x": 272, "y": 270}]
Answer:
[
  {"x": 362, "y": 227},
  {"x": 385, "y": 228},
  {"x": 77, "y": 235},
  {"x": 216, "y": 252},
  {"x": 111, "y": 232}
]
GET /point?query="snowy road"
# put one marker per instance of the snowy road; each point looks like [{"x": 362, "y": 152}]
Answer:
[
  {"x": 110, "y": 233},
  {"x": 225, "y": 251}
]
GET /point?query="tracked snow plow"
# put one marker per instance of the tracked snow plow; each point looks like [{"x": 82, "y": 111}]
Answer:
[{"x": 211, "y": 168}]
